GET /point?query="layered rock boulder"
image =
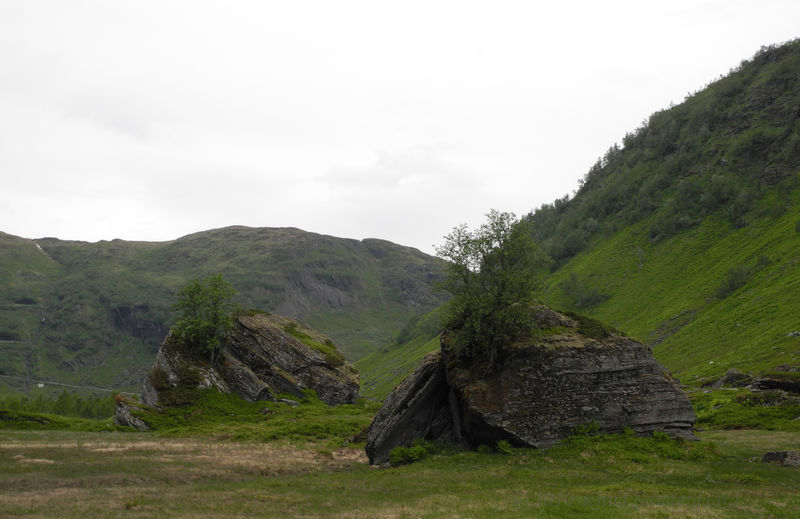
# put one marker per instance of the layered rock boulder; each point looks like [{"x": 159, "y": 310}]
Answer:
[
  {"x": 265, "y": 356},
  {"x": 570, "y": 373}
]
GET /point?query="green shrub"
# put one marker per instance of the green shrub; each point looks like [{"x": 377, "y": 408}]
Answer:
[
  {"x": 640, "y": 450},
  {"x": 580, "y": 294},
  {"x": 589, "y": 429},
  {"x": 504, "y": 447},
  {"x": 592, "y": 328},
  {"x": 158, "y": 378},
  {"x": 418, "y": 450},
  {"x": 188, "y": 376},
  {"x": 770, "y": 398},
  {"x": 736, "y": 278},
  {"x": 768, "y": 410}
]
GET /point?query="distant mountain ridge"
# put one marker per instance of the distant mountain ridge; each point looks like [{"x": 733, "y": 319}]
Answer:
[{"x": 95, "y": 313}]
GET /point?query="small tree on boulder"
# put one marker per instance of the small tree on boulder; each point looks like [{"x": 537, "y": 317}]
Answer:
[
  {"x": 204, "y": 310},
  {"x": 493, "y": 272}
]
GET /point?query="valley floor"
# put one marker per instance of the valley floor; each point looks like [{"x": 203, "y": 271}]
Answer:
[{"x": 139, "y": 475}]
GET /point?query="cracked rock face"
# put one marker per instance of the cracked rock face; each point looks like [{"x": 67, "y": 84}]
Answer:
[
  {"x": 417, "y": 408},
  {"x": 541, "y": 389},
  {"x": 265, "y": 356}
]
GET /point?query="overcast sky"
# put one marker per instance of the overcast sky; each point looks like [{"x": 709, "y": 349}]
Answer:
[{"x": 149, "y": 120}]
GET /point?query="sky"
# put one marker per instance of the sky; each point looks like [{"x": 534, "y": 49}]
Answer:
[{"x": 150, "y": 120}]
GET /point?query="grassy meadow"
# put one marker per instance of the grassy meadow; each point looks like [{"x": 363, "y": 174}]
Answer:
[
  {"x": 220, "y": 456},
  {"x": 125, "y": 474}
]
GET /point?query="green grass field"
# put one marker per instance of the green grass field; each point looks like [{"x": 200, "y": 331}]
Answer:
[
  {"x": 220, "y": 456},
  {"x": 73, "y": 474}
]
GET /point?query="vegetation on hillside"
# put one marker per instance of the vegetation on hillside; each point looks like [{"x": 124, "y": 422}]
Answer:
[
  {"x": 686, "y": 236},
  {"x": 382, "y": 370},
  {"x": 95, "y": 313},
  {"x": 66, "y": 404},
  {"x": 717, "y": 153}
]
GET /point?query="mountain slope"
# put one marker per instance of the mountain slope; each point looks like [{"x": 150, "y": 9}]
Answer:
[
  {"x": 686, "y": 237},
  {"x": 95, "y": 313}
]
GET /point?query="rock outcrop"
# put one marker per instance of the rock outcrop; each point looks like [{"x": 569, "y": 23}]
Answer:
[
  {"x": 265, "y": 356},
  {"x": 571, "y": 373},
  {"x": 417, "y": 408},
  {"x": 124, "y": 416},
  {"x": 783, "y": 458}
]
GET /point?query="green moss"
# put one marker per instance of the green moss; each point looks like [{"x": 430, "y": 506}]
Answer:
[
  {"x": 327, "y": 349},
  {"x": 591, "y": 328}
]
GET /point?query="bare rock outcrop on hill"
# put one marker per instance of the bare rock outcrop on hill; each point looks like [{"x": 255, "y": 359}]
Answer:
[
  {"x": 265, "y": 356},
  {"x": 572, "y": 373}
]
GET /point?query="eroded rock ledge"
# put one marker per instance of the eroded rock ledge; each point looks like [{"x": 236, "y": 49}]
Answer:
[{"x": 540, "y": 391}]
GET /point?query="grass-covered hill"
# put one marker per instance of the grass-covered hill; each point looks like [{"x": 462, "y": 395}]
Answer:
[
  {"x": 95, "y": 313},
  {"x": 687, "y": 236}
]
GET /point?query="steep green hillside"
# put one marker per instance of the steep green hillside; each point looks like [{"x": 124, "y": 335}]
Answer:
[
  {"x": 708, "y": 299},
  {"x": 718, "y": 153},
  {"x": 95, "y": 313},
  {"x": 686, "y": 237},
  {"x": 386, "y": 367}
]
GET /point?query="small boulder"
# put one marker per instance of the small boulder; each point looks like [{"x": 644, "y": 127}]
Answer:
[
  {"x": 123, "y": 416},
  {"x": 735, "y": 378},
  {"x": 783, "y": 458}
]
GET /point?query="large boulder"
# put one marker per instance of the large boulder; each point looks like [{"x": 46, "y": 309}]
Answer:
[
  {"x": 418, "y": 408},
  {"x": 265, "y": 356},
  {"x": 571, "y": 372}
]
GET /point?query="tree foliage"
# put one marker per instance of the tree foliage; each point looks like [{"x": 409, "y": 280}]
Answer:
[
  {"x": 493, "y": 272},
  {"x": 204, "y": 310}
]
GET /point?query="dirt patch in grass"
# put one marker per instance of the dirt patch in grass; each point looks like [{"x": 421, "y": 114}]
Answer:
[{"x": 22, "y": 459}]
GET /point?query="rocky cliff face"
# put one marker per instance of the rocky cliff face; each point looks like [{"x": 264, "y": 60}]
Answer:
[
  {"x": 265, "y": 356},
  {"x": 537, "y": 394}
]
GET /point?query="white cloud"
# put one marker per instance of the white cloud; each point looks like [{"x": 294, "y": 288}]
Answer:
[{"x": 148, "y": 120}]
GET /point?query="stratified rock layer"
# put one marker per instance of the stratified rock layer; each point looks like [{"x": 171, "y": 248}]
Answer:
[
  {"x": 417, "y": 408},
  {"x": 539, "y": 392},
  {"x": 263, "y": 359}
]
